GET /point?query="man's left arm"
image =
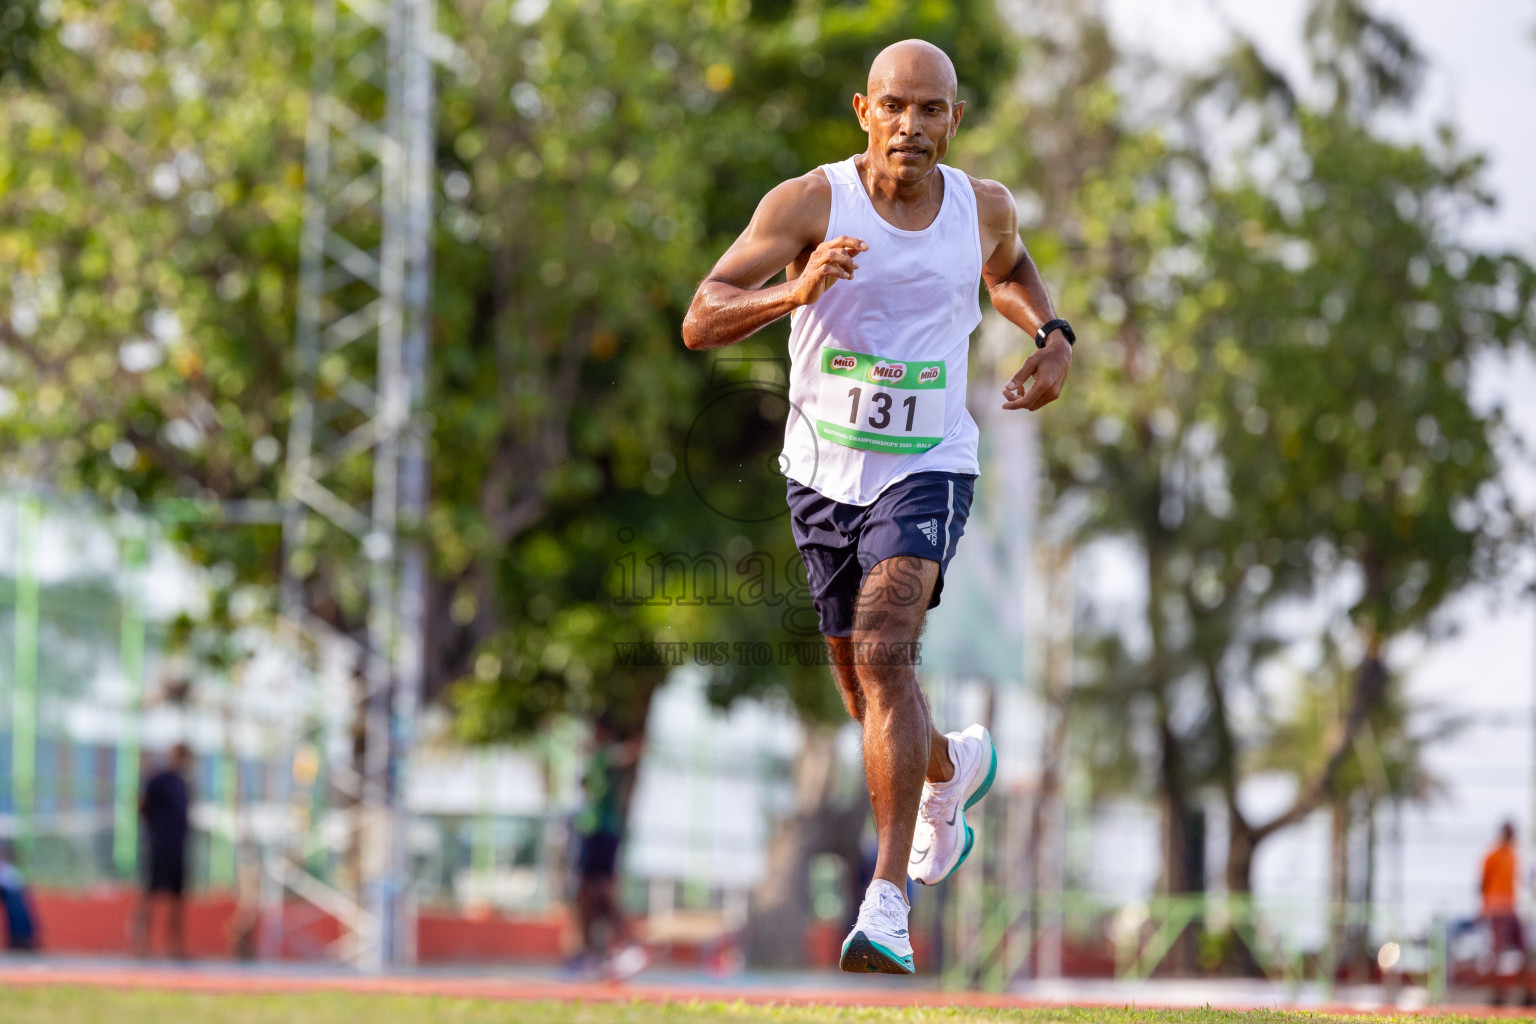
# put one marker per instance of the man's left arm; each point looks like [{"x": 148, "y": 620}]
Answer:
[{"x": 1019, "y": 295}]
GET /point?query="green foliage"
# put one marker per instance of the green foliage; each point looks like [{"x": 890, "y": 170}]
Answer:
[
  {"x": 1274, "y": 393},
  {"x": 22, "y": 26},
  {"x": 605, "y": 155},
  {"x": 1273, "y": 409},
  {"x": 1386, "y": 760},
  {"x": 594, "y": 158},
  {"x": 149, "y": 212}
]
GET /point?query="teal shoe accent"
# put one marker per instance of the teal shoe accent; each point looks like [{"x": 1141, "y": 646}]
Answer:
[
  {"x": 861, "y": 955},
  {"x": 981, "y": 791},
  {"x": 970, "y": 840},
  {"x": 986, "y": 783}
]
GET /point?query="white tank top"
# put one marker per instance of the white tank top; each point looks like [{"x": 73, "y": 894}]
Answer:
[{"x": 878, "y": 364}]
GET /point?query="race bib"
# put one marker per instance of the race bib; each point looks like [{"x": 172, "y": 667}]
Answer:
[{"x": 881, "y": 405}]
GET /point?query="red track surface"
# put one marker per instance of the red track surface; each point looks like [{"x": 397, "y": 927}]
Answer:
[{"x": 215, "y": 981}]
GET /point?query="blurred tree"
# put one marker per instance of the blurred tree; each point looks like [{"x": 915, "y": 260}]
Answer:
[
  {"x": 629, "y": 493},
  {"x": 594, "y": 159},
  {"x": 22, "y": 25},
  {"x": 1385, "y": 766},
  {"x": 637, "y": 141},
  {"x": 588, "y": 473},
  {"x": 1279, "y": 416},
  {"x": 149, "y": 212},
  {"x": 1351, "y": 442}
]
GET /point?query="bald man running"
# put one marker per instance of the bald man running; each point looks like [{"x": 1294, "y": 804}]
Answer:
[{"x": 883, "y": 253}]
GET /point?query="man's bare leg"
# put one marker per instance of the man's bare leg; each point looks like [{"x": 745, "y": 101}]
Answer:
[
  {"x": 940, "y": 767},
  {"x": 141, "y": 925},
  {"x": 898, "y": 729},
  {"x": 175, "y": 926}
]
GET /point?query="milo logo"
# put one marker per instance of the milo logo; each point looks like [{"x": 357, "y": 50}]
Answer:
[
  {"x": 844, "y": 362},
  {"x": 929, "y": 374},
  {"x": 887, "y": 373}
]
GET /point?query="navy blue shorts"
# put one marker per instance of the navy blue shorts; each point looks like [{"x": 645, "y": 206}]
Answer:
[
  {"x": 598, "y": 856},
  {"x": 167, "y": 871},
  {"x": 922, "y": 515}
]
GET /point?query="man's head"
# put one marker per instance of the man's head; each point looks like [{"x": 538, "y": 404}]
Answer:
[
  {"x": 1507, "y": 832},
  {"x": 911, "y": 110},
  {"x": 181, "y": 757}
]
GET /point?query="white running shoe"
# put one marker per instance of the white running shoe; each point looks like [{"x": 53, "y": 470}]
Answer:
[
  {"x": 879, "y": 942},
  {"x": 627, "y": 963},
  {"x": 942, "y": 839}
]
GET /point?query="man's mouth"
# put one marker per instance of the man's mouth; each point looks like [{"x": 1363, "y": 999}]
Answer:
[{"x": 909, "y": 150}]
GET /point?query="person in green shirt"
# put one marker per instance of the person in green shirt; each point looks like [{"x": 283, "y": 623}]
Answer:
[{"x": 605, "y": 933}]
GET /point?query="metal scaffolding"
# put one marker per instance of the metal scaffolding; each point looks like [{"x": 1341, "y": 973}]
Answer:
[{"x": 353, "y": 570}]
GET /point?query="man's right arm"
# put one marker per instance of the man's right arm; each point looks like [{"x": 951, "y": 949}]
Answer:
[{"x": 786, "y": 233}]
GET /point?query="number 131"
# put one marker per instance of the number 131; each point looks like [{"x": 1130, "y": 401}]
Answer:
[{"x": 882, "y": 419}]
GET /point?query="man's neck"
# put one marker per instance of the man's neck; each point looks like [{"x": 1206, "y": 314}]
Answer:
[{"x": 885, "y": 187}]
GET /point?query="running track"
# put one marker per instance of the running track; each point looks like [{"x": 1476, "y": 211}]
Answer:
[{"x": 231, "y": 980}]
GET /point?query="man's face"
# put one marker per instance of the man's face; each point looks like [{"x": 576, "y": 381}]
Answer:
[{"x": 910, "y": 118}]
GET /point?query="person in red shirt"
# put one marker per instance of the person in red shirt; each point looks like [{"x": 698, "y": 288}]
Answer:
[{"x": 1500, "y": 880}]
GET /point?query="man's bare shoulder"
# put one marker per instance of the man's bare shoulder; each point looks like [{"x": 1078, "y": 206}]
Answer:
[
  {"x": 994, "y": 201},
  {"x": 802, "y": 204},
  {"x": 808, "y": 195}
]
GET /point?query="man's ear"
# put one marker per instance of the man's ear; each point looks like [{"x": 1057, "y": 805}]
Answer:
[
  {"x": 955, "y": 121},
  {"x": 861, "y": 111}
]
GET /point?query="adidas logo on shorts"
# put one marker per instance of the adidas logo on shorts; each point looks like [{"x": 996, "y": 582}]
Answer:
[{"x": 931, "y": 531}]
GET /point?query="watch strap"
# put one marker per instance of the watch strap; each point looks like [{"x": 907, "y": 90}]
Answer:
[{"x": 1053, "y": 325}]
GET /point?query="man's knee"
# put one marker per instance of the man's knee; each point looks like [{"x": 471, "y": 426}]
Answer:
[
  {"x": 889, "y": 655},
  {"x": 885, "y": 671}
]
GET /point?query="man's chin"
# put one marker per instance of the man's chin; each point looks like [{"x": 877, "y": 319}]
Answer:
[{"x": 910, "y": 169}]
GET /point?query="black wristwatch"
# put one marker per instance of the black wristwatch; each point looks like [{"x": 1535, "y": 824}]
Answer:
[{"x": 1052, "y": 325}]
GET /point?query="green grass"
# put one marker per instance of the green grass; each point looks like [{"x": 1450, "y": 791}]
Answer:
[{"x": 65, "y": 1005}]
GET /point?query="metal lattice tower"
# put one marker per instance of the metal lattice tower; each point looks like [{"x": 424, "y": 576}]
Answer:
[{"x": 355, "y": 494}]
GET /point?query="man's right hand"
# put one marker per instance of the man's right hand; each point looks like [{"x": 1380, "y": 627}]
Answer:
[
  {"x": 785, "y": 234},
  {"x": 831, "y": 261}
]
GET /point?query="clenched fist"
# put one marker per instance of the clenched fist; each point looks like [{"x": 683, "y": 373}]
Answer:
[{"x": 831, "y": 261}]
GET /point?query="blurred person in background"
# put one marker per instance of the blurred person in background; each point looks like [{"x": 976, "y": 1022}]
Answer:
[
  {"x": 1501, "y": 872},
  {"x": 165, "y": 808},
  {"x": 607, "y": 941},
  {"x": 20, "y": 921}
]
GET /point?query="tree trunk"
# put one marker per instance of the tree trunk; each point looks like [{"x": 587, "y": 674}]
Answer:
[
  {"x": 1338, "y": 884},
  {"x": 1183, "y": 848},
  {"x": 1244, "y": 838},
  {"x": 781, "y": 904},
  {"x": 1364, "y": 889},
  {"x": 1242, "y": 841},
  {"x": 1240, "y": 862}
]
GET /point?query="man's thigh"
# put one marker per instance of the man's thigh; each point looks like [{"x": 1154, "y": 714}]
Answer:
[
  {"x": 894, "y": 599},
  {"x": 922, "y": 516},
  {"x": 905, "y": 545}
]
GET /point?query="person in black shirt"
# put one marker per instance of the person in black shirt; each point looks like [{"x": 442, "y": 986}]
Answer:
[{"x": 164, "y": 807}]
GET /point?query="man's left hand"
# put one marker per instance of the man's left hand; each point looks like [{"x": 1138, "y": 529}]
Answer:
[{"x": 1048, "y": 366}]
